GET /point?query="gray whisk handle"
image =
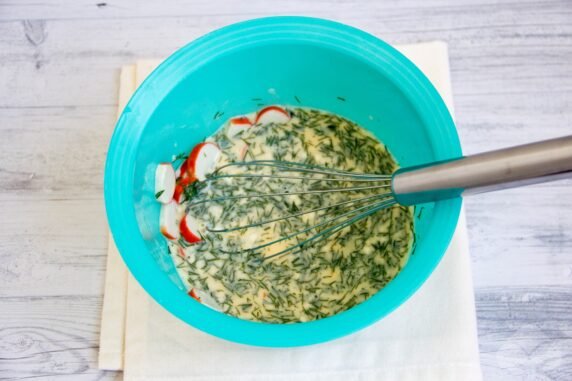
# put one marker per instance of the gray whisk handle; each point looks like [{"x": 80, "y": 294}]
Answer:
[{"x": 506, "y": 168}]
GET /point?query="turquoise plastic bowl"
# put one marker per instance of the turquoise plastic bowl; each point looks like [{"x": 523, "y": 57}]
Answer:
[{"x": 279, "y": 60}]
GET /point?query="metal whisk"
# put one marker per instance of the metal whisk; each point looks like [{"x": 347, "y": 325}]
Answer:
[{"x": 511, "y": 167}]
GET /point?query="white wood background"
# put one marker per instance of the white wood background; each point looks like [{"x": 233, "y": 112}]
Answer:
[{"x": 511, "y": 65}]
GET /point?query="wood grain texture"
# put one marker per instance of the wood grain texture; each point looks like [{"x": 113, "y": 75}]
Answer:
[
  {"x": 50, "y": 337},
  {"x": 525, "y": 333},
  {"x": 59, "y": 66}
]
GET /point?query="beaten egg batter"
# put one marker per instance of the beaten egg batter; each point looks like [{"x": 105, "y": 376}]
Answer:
[{"x": 324, "y": 278}]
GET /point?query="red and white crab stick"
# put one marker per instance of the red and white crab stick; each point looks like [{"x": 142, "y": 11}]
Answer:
[
  {"x": 237, "y": 125},
  {"x": 183, "y": 179},
  {"x": 202, "y": 160},
  {"x": 168, "y": 221},
  {"x": 193, "y": 293},
  {"x": 164, "y": 182},
  {"x": 190, "y": 229},
  {"x": 272, "y": 114}
]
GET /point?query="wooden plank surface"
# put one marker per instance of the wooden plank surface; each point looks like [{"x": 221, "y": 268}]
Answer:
[{"x": 511, "y": 64}]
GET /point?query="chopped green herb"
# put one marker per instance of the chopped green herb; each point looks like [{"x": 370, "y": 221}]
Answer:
[
  {"x": 158, "y": 194},
  {"x": 325, "y": 276},
  {"x": 181, "y": 156}
]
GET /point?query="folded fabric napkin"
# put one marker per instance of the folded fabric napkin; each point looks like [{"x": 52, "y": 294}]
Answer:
[{"x": 430, "y": 337}]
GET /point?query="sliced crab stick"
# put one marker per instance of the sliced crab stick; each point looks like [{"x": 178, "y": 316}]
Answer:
[
  {"x": 237, "y": 125},
  {"x": 181, "y": 253},
  {"x": 194, "y": 294},
  {"x": 202, "y": 160},
  {"x": 272, "y": 114},
  {"x": 179, "y": 195},
  {"x": 205, "y": 298},
  {"x": 164, "y": 182},
  {"x": 190, "y": 229},
  {"x": 185, "y": 176},
  {"x": 183, "y": 179},
  {"x": 168, "y": 221}
]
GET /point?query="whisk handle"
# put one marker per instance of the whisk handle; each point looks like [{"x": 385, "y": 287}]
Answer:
[{"x": 506, "y": 168}]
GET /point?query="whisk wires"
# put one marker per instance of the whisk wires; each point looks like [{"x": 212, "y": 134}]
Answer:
[{"x": 309, "y": 174}]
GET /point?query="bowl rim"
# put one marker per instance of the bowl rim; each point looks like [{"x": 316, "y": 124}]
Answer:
[{"x": 120, "y": 167}]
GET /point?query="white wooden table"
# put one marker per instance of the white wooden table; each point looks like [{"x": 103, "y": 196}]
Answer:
[{"x": 511, "y": 66}]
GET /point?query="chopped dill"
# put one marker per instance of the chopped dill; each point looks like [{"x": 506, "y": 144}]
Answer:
[
  {"x": 181, "y": 156},
  {"x": 324, "y": 276}
]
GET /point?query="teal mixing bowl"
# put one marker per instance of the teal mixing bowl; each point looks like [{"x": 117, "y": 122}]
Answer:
[{"x": 293, "y": 61}]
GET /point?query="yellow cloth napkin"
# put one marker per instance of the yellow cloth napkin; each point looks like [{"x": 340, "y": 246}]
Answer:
[{"x": 431, "y": 337}]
